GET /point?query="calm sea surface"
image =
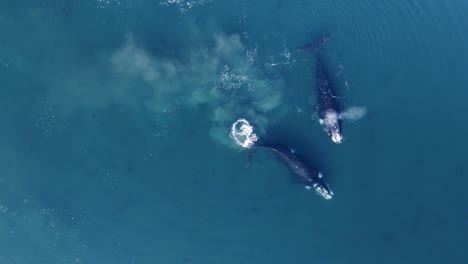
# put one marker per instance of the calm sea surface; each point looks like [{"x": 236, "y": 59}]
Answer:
[{"x": 115, "y": 147}]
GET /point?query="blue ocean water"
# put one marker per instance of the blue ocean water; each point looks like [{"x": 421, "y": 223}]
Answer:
[{"x": 115, "y": 144}]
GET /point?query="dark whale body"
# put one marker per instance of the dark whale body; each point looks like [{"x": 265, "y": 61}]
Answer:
[
  {"x": 317, "y": 45},
  {"x": 326, "y": 92},
  {"x": 328, "y": 108},
  {"x": 310, "y": 177}
]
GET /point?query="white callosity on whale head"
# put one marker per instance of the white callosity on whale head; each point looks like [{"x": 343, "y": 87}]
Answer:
[
  {"x": 336, "y": 137},
  {"x": 331, "y": 125},
  {"x": 323, "y": 191}
]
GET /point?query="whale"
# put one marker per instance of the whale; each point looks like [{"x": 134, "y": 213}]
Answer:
[
  {"x": 316, "y": 45},
  {"x": 328, "y": 108},
  {"x": 310, "y": 177}
]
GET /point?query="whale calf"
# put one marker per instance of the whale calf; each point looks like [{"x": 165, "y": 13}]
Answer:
[{"x": 310, "y": 177}]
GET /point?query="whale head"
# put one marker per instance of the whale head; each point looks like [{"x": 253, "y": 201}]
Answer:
[
  {"x": 331, "y": 124},
  {"x": 323, "y": 190},
  {"x": 321, "y": 187}
]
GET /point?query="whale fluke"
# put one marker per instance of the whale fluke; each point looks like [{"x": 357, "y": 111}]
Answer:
[{"x": 316, "y": 45}]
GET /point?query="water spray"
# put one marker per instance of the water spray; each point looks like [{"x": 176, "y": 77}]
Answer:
[{"x": 242, "y": 133}]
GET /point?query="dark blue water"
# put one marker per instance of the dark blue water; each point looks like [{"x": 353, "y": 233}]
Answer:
[{"x": 114, "y": 145}]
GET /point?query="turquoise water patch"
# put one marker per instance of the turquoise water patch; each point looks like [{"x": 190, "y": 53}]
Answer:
[{"x": 116, "y": 116}]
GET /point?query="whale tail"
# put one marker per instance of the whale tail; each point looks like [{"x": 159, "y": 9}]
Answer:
[
  {"x": 253, "y": 151},
  {"x": 251, "y": 155},
  {"x": 316, "y": 45}
]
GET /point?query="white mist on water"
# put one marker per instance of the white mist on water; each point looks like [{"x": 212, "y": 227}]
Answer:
[
  {"x": 242, "y": 133},
  {"x": 353, "y": 113}
]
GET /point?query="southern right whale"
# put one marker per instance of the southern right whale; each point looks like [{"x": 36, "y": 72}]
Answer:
[
  {"x": 328, "y": 108},
  {"x": 317, "y": 45},
  {"x": 309, "y": 176}
]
